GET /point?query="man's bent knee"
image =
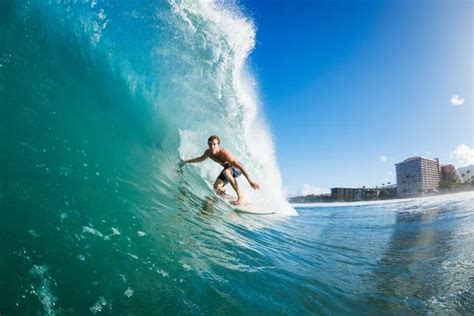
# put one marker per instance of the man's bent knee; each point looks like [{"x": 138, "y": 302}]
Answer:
[
  {"x": 228, "y": 174},
  {"x": 219, "y": 186}
]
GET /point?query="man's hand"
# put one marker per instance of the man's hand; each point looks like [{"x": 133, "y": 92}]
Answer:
[
  {"x": 181, "y": 163},
  {"x": 254, "y": 185}
]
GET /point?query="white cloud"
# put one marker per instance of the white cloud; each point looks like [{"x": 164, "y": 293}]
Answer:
[
  {"x": 390, "y": 173},
  {"x": 457, "y": 100},
  {"x": 463, "y": 154},
  {"x": 383, "y": 158},
  {"x": 307, "y": 189}
]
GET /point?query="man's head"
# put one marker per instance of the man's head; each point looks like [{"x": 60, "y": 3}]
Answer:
[{"x": 214, "y": 143}]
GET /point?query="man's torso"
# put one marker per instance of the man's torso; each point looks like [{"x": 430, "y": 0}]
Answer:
[{"x": 223, "y": 157}]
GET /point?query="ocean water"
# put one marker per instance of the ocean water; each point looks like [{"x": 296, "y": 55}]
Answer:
[{"x": 98, "y": 102}]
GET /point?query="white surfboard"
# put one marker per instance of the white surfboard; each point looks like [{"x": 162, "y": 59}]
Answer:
[{"x": 247, "y": 207}]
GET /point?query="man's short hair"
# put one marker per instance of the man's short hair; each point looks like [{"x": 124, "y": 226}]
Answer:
[{"x": 214, "y": 137}]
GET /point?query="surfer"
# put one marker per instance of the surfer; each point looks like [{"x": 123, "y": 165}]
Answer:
[{"x": 232, "y": 168}]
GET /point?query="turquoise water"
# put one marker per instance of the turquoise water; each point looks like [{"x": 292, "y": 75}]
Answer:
[{"x": 98, "y": 102}]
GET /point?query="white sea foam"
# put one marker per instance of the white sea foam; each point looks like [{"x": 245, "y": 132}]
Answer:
[
  {"x": 132, "y": 255},
  {"x": 99, "y": 305},
  {"x": 93, "y": 231},
  {"x": 115, "y": 231},
  {"x": 33, "y": 233},
  {"x": 162, "y": 273},
  {"x": 128, "y": 292},
  {"x": 43, "y": 290},
  {"x": 424, "y": 199}
]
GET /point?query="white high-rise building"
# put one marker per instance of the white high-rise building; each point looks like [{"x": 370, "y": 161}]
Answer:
[
  {"x": 467, "y": 173},
  {"x": 417, "y": 176}
]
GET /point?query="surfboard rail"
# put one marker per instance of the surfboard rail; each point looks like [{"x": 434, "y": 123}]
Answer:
[{"x": 247, "y": 207}]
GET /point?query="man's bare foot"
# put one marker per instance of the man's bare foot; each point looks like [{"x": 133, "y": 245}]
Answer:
[
  {"x": 239, "y": 202},
  {"x": 220, "y": 191}
]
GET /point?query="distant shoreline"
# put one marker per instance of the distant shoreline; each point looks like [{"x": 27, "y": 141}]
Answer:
[
  {"x": 327, "y": 199},
  {"x": 373, "y": 202}
]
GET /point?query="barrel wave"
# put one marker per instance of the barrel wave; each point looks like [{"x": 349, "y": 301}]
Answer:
[
  {"x": 136, "y": 84},
  {"x": 100, "y": 99}
]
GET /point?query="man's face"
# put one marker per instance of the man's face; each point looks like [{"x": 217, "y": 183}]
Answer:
[{"x": 213, "y": 145}]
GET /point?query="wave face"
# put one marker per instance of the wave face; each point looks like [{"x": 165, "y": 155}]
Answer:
[
  {"x": 127, "y": 89},
  {"x": 99, "y": 100}
]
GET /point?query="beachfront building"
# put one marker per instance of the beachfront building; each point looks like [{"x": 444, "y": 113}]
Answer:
[
  {"x": 361, "y": 194},
  {"x": 449, "y": 173},
  {"x": 347, "y": 194},
  {"x": 417, "y": 176},
  {"x": 467, "y": 173}
]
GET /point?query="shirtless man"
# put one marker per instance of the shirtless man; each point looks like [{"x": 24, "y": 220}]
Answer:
[{"x": 232, "y": 168}]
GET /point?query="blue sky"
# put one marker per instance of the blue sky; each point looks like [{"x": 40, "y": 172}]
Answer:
[{"x": 351, "y": 87}]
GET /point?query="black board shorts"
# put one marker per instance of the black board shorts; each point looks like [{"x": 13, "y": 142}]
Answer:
[{"x": 235, "y": 173}]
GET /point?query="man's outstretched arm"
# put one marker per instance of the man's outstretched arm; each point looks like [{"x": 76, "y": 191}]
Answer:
[
  {"x": 198, "y": 159},
  {"x": 252, "y": 183}
]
